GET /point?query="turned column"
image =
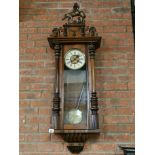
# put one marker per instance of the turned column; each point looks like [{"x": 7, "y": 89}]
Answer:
[
  {"x": 56, "y": 98},
  {"x": 93, "y": 98}
]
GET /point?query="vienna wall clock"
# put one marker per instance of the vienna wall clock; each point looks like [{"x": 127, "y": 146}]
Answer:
[{"x": 75, "y": 106}]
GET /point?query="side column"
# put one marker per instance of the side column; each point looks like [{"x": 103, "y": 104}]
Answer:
[
  {"x": 94, "y": 124},
  {"x": 56, "y": 98}
]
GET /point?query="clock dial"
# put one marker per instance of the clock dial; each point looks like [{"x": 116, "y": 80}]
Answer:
[{"x": 74, "y": 59}]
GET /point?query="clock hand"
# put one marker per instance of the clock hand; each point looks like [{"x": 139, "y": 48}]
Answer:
[{"x": 77, "y": 105}]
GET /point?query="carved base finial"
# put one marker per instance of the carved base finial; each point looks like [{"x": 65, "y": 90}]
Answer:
[
  {"x": 75, "y": 141},
  {"x": 75, "y": 147}
]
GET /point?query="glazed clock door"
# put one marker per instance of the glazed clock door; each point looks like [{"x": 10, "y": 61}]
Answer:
[{"x": 75, "y": 89}]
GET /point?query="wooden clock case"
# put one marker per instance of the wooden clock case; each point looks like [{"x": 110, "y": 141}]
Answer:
[{"x": 74, "y": 34}]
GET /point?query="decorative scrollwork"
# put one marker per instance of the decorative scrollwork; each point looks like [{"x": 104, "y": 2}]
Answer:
[
  {"x": 76, "y": 16},
  {"x": 75, "y": 137}
]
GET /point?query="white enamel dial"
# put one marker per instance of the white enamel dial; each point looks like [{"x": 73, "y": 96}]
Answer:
[{"x": 74, "y": 59}]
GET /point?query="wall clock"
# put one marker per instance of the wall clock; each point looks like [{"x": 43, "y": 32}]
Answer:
[{"x": 75, "y": 106}]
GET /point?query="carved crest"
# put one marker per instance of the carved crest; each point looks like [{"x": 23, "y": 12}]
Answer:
[
  {"x": 76, "y": 16},
  {"x": 75, "y": 26}
]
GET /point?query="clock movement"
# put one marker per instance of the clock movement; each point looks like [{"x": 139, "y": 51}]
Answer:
[{"x": 75, "y": 106}]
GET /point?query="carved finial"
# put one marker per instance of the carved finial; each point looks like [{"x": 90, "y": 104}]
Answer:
[
  {"x": 92, "y": 31},
  {"x": 56, "y": 32},
  {"x": 76, "y": 6},
  {"x": 76, "y": 16}
]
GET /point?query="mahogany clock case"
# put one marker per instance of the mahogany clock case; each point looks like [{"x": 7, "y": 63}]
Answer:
[{"x": 75, "y": 103}]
